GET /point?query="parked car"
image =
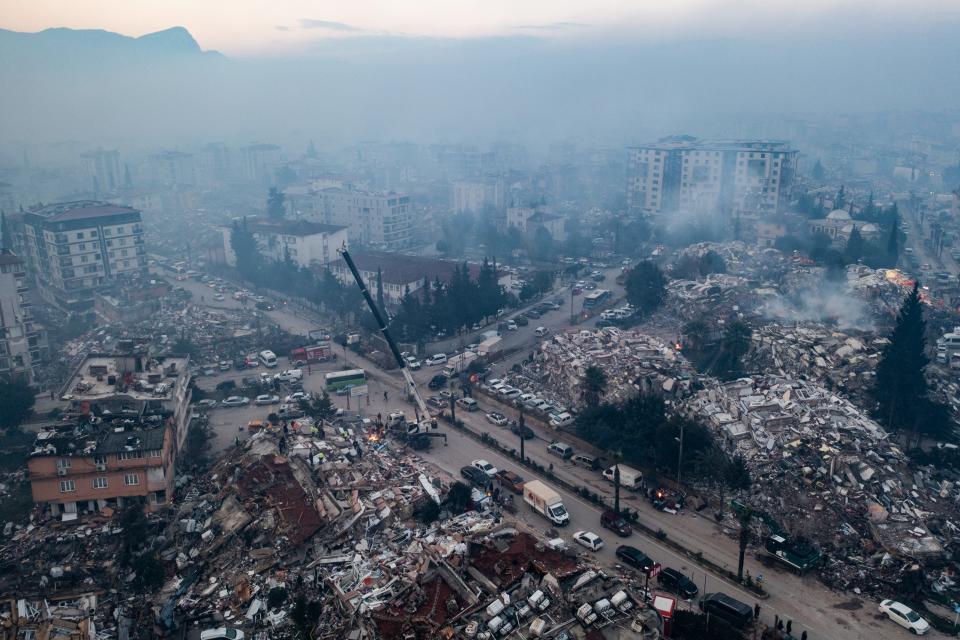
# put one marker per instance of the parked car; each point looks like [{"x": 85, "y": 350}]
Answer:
[
  {"x": 345, "y": 390},
  {"x": 206, "y": 403},
  {"x": 674, "y": 581},
  {"x": 730, "y": 610},
  {"x": 521, "y": 321},
  {"x": 290, "y": 411},
  {"x": 560, "y": 449},
  {"x": 616, "y": 523},
  {"x": 510, "y": 480},
  {"x": 437, "y": 401},
  {"x": 497, "y": 418},
  {"x": 226, "y": 385},
  {"x": 475, "y": 476},
  {"x": 516, "y": 429},
  {"x": 561, "y": 419},
  {"x": 588, "y": 539},
  {"x": 438, "y": 381},
  {"x": 533, "y": 314},
  {"x": 511, "y": 325},
  {"x": 634, "y": 557},
  {"x": 413, "y": 364},
  {"x": 296, "y": 397},
  {"x": 437, "y": 358},
  {"x": 904, "y": 616},
  {"x": 266, "y": 399},
  {"x": 236, "y": 401},
  {"x": 223, "y": 633},
  {"x": 510, "y": 393},
  {"x": 485, "y": 466}
]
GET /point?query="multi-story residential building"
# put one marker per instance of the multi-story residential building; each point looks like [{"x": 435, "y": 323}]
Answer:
[
  {"x": 306, "y": 243},
  {"x": 259, "y": 163},
  {"x": 527, "y": 220},
  {"x": 103, "y": 170},
  {"x": 23, "y": 343},
  {"x": 376, "y": 219},
  {"x": 477, "y": 195},
  {"x": 73, "y": 248},
  {"x": 173, "y": 168},
  {"x": 127, "y": 422},
  {"x": 686, "y": 174}
]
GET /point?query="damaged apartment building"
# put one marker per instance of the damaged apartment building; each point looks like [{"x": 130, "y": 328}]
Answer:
[{"x": 118, "y": 440}]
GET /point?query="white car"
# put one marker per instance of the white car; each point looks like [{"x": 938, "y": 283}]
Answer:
[
  {"x": 295, "y": 397},
  {"x": 588, "y": 539},
  {"x": 473, "y": 347},
  {"x": 510, "y": 394},
  {"x": 413, "y": 364},
  {"x": 266, "y": 399},
  {"x": 561, "y": 419},
  {"x": 526, "y": 397},
  {"x": 223, "y": 633},
  {"x": 485, "y": 466},
  {"x": 497, "y": 418},
  {"x": 236, "y": 401},
  {"x": 437, "y": 358},
  {"x": 904, "y": 616}
]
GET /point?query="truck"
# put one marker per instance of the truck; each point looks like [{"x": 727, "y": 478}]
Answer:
[
  {"x": 546, "y": 502},
  {"x": 629, "y": 477},
  {"x": 318, "y": 352},
  {"x": 795, "y": 553},
  {"x": 459, "y": 363}
]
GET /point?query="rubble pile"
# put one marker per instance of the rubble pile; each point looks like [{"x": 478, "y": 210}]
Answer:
[
  {"x": 630, "y": 359},
  {"x": 717, "y": 295},
  {"x": 827, "y": 472}
]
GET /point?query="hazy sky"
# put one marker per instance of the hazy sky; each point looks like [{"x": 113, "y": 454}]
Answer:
[{"x": 265, "y": 27}]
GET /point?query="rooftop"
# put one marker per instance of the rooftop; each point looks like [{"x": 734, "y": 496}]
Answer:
[
  {"x": 79, "y": 210},
  {"x": 402, "y": 269},
  {"x": 291, "y": 227},
  {"x": 134, "y": 376},
  {"x": 105, "y": 437},
  {"x": 688, "y": 142}
]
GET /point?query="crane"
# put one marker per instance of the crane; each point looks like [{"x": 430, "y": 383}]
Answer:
[{"x": 419, "y": 429}]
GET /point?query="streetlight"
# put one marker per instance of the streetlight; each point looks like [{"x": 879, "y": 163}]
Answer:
[{"x": 680, "y": 455}]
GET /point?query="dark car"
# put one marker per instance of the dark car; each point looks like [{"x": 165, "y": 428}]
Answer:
[
  {"x": 227, "y": 385},
  {"x": 437, "y": 382},
  {"x": 616, "y": 523},
  {"x": 674, "y": 581},
  {"x": 510, "y": 480},
  {"x": 533, "y": 313},
  {"x": 264, "y": 306},
  {"x": 240, "y": 363},
  {"x": 475, "y": 476},
  {"x": 730, "y": 610},
  {"x": 527, "y": 431},
  {"x": 635, "y": 558},
  {"x": 521, "y": 321}
]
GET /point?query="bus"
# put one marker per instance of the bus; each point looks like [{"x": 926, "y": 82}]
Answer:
[
  {"x": 268, "y": 358},
  {"x": 349, "y": 378},
  {"x": 594, "y": 298}
]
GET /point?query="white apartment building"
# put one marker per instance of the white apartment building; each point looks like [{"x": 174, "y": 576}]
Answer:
[
  {"x": 307, "y": 243},
  {"x": 173, "y": 168},
  {"x": 74, "y": 248},
  {"x": 476, "y": 195},
  {"x": 259, "y": 163},
  {"x": 686, "y": 174},
  {"x": 22, "y": 342},
  {"x": 375, "y": 219},
  {"x": 103, "y": 170}
]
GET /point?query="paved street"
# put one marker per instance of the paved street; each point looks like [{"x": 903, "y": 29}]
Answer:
[{"x": 824, "y": 614}]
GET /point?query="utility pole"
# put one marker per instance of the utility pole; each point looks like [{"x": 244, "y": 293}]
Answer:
[
  {"x": 453, "y": 404},
  {"x": 572, "y": 287},
  {"x": 616, "y": 487},
  {"x": 522, "y": 454},
  {"x": 680, "y": 456}
]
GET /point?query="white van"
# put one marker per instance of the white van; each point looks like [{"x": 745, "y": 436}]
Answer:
[
  {"x": 468, "y": 404},
  {"x": 268, "y": 358},
  {"x": 541, "y": 331},
  {"x": 561, "y": 419},
  {"x": 437, "y": 358}
]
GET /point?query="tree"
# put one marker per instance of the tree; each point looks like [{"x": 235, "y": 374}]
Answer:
[
  {"x": 149, "y": 573},
  {"x": 16, "y": 404},
  {"x": 426, "y": 511},
  {"x": 840, "y": 201},
  {"x": 276, "y": 597},
  {"x": 197, "y": 445},
  {"x": 134, "y": 526},
  {"x": 593, "y": 386},
  {"x": 458, "y": 497},
  {"x": 900, "y": 380},
  {"x": 244, "y": 245},
  {"x": 646, "y": 287},
  {"x": 744, "y": 539},
  {"x": 275, "y": 204},
  {"x": 893, "y": 242},
  {"x": 854, "y": 250},
  {"x": 711, "y": 262},
  {"x": 818, "y": 173}
]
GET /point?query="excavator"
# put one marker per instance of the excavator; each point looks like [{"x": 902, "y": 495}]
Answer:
[{"x": 417, "y": 433}]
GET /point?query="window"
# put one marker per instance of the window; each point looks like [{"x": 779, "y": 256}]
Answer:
[
  {"x": 130, "y": 455},
  {"x": 93, "y": 234},
  {"x": 100, "y": 482},
  {"x": 63, "y": 463},
  {"x": 154, "y": 453},
  {"x": 66, "y": 486},
  {"x": 119, "y": 229},
  {"x": 131, "y": 479},
  {"x": 79, "y": 235},
  {"x": 99, "y": 459}
]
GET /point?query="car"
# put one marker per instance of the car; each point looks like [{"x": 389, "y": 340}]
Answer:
[
  {"x": 226, "y": 385},
  {"x": 345, "y": 390},
  {"x": 413, "y": 364},
  {"x": 496, "y": 418},
  {"x": 925, "y": 267},
  {"x": 615, "y": 522},
  {"x": 473, "y": 347},
  {"x": 435, "y": 359},
  {"x": 445, "y": 394},
  {"x": 576, "y": 291},
  {"x": 264, "y": 306},
  {"x": 561, "y": 419},
  {"x": 533, "y": 313},
  {"x": 521, "y": 321},
  {"x": 290, "y": 410},
  {"x": 525, "y": 397},
  {"x": 510, "y": 480},
  {"x": 437, "y": 401},
  {"x": 437, "y": 382},
  {"x": 475, "y": 476},
  {"x": 510, "y": 393},
  {"x": 527, "y": 432},
  {"x": 511, "y": 325},
  {"x": 588, "y": 539},
  {"x": 266, "y": 399},
  {"x": 295, "y": 397},
  {"x": 240, "y": 363},
  {"x": 485, "y": 466},
  {"x": 531, "y": 401},
  {"x": 904, "y": 616},
  {"x": 674, "y": 581},
  {"x": 634, "y": 557},
  {"x": 218, "y": 297},
  {"x": 223, "y": 633},
  {"x": 206, "y": 403},
  {"x": 236, "y": 401}
]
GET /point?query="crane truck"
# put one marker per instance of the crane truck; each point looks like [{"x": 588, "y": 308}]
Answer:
[{"x": 418, "y": 433}]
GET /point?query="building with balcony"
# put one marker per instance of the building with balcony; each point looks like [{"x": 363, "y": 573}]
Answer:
[
  {"x": 72, "y": 249},
  {"x": 126, "y": 423},
  {"x": 680, "y": 173},
  {"x": 373, "y": 218},
  {"x": 23, "y": 343}
]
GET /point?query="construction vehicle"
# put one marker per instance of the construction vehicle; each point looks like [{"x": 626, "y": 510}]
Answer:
[
  {"x": 797, "y": 554},
  {"x": 419, "y": 432}
]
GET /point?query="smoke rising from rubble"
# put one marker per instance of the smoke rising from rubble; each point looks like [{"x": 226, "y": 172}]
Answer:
[{"x": 827, "y": 303}]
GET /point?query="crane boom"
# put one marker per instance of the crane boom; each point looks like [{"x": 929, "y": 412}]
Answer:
[{"x": 381, "y": 322}]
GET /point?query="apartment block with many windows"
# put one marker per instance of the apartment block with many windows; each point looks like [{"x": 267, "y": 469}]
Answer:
[
  {"x": 374, "y": 219},
  {"x": 74, "y": 248},
  {"x": 23, "y": 343}
]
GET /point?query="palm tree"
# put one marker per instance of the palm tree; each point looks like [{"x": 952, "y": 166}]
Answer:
[{"x": 593, "y": 386}]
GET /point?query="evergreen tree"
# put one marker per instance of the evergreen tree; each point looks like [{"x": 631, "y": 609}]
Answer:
[
  {"x": 275, "y": 204},
  {"x": 6, "y": 240},
  {"x": 818, "y": 172},
  {"x": 646, "y": 287},
  {"x": 900, "y": 381},
  {"x": 893, "y": 241},
  {"x": 854, "y": 248},
  {"x": 593, "y": 386},
  {"x": 841, "y": 200},
  {"x": 244, "y": 245}
]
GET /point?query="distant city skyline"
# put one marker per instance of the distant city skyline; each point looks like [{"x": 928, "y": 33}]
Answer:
[{"x": 279, "y": 27}]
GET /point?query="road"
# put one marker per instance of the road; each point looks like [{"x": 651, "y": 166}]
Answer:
[{"x": 824, "y": 614}]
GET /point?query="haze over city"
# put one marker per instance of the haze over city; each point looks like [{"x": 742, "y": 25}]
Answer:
[{"x": 479, "y": 320}]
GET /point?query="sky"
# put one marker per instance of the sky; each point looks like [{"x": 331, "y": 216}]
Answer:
[{"x": 283, "y": 27}]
